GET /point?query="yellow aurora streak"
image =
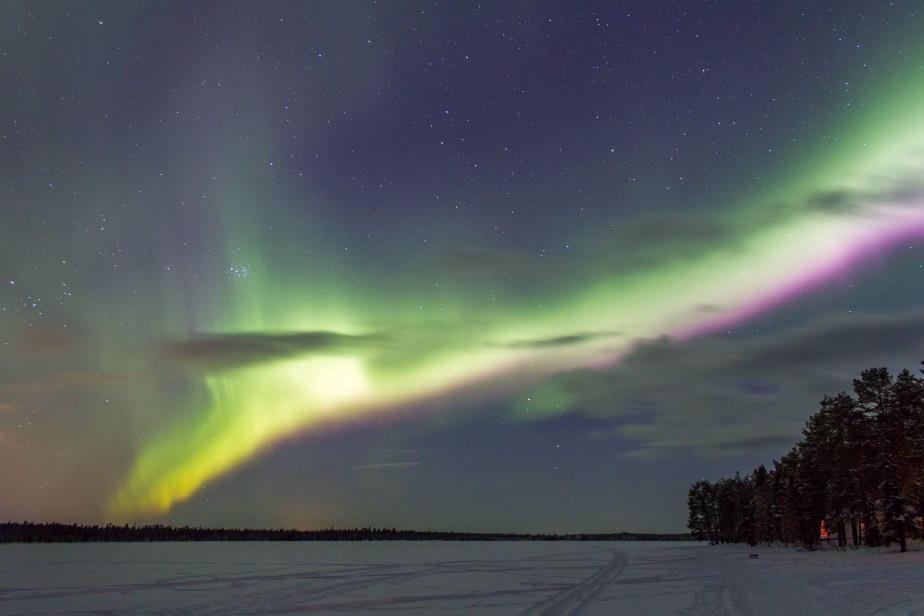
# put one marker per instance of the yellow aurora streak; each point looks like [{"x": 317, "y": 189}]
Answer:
[{"x": 253, "y": 407}]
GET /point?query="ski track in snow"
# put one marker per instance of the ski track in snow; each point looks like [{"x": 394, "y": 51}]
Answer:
[
  {"x": 576, "y": 599},
  {"x": 528, "y": 578}
]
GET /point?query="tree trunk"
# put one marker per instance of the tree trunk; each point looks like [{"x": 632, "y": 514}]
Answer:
[{"x": 921, "y": 515}]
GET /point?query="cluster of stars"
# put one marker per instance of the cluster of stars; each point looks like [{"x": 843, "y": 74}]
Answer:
[{"x": 238, "y": 271}]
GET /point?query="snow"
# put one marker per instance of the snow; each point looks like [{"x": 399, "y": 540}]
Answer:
[{"x": 472, "y": 577}]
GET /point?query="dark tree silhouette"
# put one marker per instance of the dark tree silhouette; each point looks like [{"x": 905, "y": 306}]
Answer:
[
  {"x": 53, "y": 532},
  {"x": 857, "y": 474}
]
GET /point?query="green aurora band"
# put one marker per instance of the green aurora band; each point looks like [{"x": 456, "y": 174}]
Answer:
[{"x": 350, "y": 355}]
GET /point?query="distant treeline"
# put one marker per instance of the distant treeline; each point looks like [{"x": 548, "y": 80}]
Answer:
[
  {"x": 858, "y": 473},
  {"x": 29, "y": 532}
]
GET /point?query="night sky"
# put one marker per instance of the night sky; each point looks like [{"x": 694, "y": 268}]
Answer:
[{"x": 508, "y": 267}]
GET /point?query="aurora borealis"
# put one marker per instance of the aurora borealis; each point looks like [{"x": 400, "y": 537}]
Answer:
[{"x": 525, "y": 267}]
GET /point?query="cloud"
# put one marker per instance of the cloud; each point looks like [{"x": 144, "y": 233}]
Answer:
[
  {"x": 47, "y": 340},
  {"x": 834, "y": 201},
  {"x": 897, "y": 185},
  {"x": 223, "y": 351},
  {"x": 560, "y": 341},
  {"x": 722, "y": 396},
  {"x": 62, "y": 380},
  {"x": 388, "y": 465},
  {"x": 657, "y": 238}
]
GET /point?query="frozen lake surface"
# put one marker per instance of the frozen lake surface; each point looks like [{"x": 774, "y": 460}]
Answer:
[{"x": 440, "y": 577}]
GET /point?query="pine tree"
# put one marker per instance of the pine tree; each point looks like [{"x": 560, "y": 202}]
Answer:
[
  {"x": 762, "y": 499},
  {"x": 861, "y": 462},
  {"x": 915, "y": 440},
  {"x": 703, "y": 511}
]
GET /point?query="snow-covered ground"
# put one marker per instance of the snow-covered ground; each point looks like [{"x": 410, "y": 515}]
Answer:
[{"x": 439, "y": 577}]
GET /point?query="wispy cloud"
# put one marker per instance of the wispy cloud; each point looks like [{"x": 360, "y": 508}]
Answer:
[
  {"x": 562, "y": 341},
  {"x": 61, "y": 380},
  {"x": 720, "y": 396},
  {"x": 48, "y": 340},
  {"x": 222, "y": 351},
  {"x": 388, "y": 465}
]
